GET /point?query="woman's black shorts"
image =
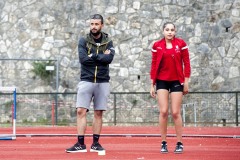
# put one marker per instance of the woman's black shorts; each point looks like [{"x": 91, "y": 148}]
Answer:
[{"x": 171, "y": 86}]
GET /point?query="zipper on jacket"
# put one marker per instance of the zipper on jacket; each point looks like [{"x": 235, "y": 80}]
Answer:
[
  {"x": 176, "y": 68},
  {"x": 96, "y": 68},
  {"x": 175, "y": 65},
  {"x": 95, "y": 74}
]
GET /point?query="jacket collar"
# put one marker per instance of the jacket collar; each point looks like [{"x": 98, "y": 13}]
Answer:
[
  {"x": 105, "y": 38},
  {"x": 163, "y": 43}
]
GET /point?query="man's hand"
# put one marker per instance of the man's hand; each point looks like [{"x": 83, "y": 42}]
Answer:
[{"x": 107, "y": 51}]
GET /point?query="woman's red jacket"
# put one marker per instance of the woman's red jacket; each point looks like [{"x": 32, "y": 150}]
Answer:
[{"x": 181, "y": 58}]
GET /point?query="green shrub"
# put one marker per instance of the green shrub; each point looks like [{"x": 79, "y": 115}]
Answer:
[{"x": 39, "y": 69}]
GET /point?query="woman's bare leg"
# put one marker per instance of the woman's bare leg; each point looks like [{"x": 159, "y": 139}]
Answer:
[
  {"x": 176, "y": 101},
  {"x": 163, "y": 96}
]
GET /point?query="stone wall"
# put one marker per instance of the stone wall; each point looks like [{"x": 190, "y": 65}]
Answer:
[{"x": 50, "y": 29}]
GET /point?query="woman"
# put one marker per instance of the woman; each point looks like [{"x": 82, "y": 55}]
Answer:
[{"x": 170, "y": 72}]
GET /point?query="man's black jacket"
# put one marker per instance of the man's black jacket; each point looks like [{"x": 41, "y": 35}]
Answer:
[{"x": 94, "y": 63}]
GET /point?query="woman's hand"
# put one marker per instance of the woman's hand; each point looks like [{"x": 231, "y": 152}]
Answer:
[
  {"x": 185, "y": 88},
  {"x": 152, "y": 91}
]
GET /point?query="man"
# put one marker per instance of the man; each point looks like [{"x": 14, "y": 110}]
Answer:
[{"x": 96, "y": 52}]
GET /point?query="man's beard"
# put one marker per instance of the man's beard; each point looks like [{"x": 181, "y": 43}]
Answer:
[{"x": 95, "y": 33}]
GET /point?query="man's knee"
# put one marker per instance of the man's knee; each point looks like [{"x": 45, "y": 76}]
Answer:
[
  {"x": 98, "y": 113},
  {"x": 81, "y": 112}
]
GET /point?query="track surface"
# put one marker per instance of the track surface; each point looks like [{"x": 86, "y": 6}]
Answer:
[{"x": 208, "y": 143}]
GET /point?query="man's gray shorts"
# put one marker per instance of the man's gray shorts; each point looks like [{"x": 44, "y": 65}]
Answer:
[{"x": 96, "y": 92}]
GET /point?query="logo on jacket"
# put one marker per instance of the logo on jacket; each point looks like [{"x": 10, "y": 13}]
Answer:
[{"x": 177, "y": 49}]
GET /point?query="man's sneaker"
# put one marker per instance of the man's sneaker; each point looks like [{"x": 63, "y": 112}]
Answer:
[
  {"x": 164, "y": 147},
  {"x": 77, "y": 148},
  {"x": 96, "y": 148},
  {"x": 179, "y": 148}
]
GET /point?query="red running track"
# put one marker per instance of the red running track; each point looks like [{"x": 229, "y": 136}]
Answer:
[{"x": 122, "y": 147}]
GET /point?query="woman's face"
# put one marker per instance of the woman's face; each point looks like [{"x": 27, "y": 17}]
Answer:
[{"x": 169, "y": 31}]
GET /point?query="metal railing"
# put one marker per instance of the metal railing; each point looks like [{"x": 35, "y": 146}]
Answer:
[{"x": 124, "y": 108}]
